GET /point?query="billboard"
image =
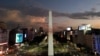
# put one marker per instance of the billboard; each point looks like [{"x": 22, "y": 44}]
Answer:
[
  {"x": 19, "y": 37},
  {"x": 85, "y": 27},
  {"x": 88, "y": 27},
  {"x": 82, "y": 27}
]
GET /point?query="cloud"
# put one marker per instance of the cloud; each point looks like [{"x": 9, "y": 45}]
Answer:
[
  {"x": 30, "y": 3},
  {"x": 28, "y": 7},
  {"x": 16, "y": 17},
  {"x": 33, "y": 14},
  {"x": 13, "y": 15},
  {"x": 85, "y": 15},
  {"x": 34, "y": 8},
  {"x": 33, "y": 19}
]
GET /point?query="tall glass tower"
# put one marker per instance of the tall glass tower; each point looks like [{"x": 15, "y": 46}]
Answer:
[{"x": 97, "y": 43}]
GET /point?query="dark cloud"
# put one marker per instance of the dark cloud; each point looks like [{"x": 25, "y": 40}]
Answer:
[
  {"x": 34, "y": 8},
  {"x": 28, "y": 7},
  {"x": 31, "y": 13},
  {"x": 2, "y": 12},
  {"x": 84, "y": 15},
  {"x": 14, "y": 17}
]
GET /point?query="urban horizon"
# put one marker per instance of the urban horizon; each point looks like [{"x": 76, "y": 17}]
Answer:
[{"x": 49, "y": 28}]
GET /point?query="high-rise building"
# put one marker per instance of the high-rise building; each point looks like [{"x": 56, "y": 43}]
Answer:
[
  {"x": 97, "y": 43},
  {"x": 31, "y": 34},
  {"x": 25, "y": 34},
  {"x": 90, "y": 40},
  {"x": 96, "y": 40},
  {"x": 3, "y": 37},
  {"x": 15, "y": 36}
]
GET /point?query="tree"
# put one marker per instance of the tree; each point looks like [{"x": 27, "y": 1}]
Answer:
[{"x": 3, "y": 25}]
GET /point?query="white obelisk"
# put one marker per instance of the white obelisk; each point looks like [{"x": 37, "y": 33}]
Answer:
[{"x": 50, "y": 36}]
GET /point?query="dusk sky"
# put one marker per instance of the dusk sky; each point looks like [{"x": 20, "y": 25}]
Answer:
[{"x": 65, "y": 12}]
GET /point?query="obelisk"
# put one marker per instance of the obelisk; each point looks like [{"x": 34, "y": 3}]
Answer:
[{"x": 50, "y": 36}]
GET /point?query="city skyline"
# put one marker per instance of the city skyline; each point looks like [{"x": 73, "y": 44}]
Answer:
[{"x": 35, "y": 12}]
